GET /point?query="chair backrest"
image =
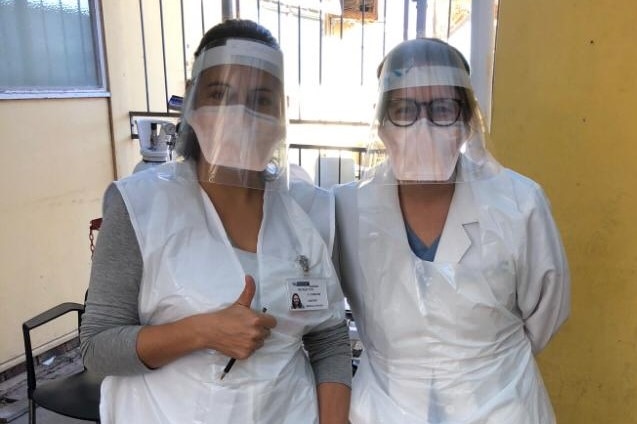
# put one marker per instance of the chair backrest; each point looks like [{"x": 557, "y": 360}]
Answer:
[
  {"x": 75, "y": 394},
  {"x": 37, "y": 321}
]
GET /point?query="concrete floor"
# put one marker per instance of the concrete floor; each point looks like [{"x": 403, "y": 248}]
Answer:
[
  {"x": 13, "y": 392},
  {"x": 44, "y": 416}
]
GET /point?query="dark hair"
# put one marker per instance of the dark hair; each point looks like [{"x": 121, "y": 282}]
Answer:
[
  {"x": 300, "y": 304},
  {"x": 427, "y": 51},
  {"x": 236, "y": 28},
  {"x": 245, "y": 29}
]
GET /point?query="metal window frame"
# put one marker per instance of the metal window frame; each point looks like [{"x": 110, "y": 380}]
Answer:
[
  {"x": 481, "y": 69},
  {"x": 97, "y": 24}
]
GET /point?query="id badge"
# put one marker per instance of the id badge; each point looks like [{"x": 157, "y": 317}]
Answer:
[{"x": 307, "y": 294}]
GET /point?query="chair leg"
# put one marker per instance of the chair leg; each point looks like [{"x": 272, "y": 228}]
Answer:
[{"x": 32, "y": 407}]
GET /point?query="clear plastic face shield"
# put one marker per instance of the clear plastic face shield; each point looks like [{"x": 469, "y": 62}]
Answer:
[
  {"x": 235, "y": 111},
  {"x": 427, "y": 126}
]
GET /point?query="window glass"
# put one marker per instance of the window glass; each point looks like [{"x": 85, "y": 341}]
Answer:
[{"x": 50, "y": 46}]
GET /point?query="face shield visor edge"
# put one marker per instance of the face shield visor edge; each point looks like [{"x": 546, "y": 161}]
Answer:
[
  {"x": 427, "y": 128},
  {"x": 234, "y": 111}
]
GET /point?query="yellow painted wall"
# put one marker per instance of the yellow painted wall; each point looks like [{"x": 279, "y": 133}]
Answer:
[
  {"x": 123, "y": 39},
  {"x": 55, "y": 163},
  {"x": 565, "y": 96},
  {"x": 57, "y": 158}
]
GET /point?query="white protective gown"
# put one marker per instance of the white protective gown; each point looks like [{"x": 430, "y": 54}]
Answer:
[
  {"x": 452, "y": 341},
  {"x": 190, "y": 267}
]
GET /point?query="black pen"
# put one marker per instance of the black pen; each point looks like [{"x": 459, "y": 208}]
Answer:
[{"x": 231, "y": 362}]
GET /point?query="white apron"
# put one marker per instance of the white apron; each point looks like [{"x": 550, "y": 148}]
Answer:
[
  {"x": 444, "y": 341},
  {"x": 190, "y": 267}
]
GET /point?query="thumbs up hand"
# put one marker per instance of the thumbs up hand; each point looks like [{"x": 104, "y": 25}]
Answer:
[
  {"x": 236, "y": 331},
  {"x": 246, "y": 296}
]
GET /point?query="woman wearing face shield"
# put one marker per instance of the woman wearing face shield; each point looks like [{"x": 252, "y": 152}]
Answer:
[
  {"x": 192, "y": 253},
  {"x": 452, "y": 265}
]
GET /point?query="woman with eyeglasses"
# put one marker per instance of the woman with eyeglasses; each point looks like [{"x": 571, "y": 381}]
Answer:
[{"x": 452, "y": 265}]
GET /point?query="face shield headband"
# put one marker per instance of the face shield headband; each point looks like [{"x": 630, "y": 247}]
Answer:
[
  {"x": 235, "y": 107},
  {"x": 427, "y": 129},
  {"x": 424, "y": 76},
  {"x": 241, "y": 52}
]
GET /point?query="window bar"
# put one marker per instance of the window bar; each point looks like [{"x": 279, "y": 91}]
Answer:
[
  {"x": 299, "y": 150},
  {"x": 278, "y": 19},
  {"x": 259, "y": 11},
  {"x": 421, "y": 17},
  {"x": 406, "y": 20},
  {"x": 141, "y": 19},
  {"x": 342, "y": 13},
  {"x": 98, "y": 44},
  {"x": 183, "y": 40},
  {"x": 320, "y": 42},
  {"x": 362, "y": 40},
  {"x": 299, "y": 39},
  {"x": 340, "y": 158},
  {"x": 318, "y": 164},
  {"x": 203, "y": 20},
  {"x": 163, "y": 52},
  {"x": 228, "y": 10},
  {"x": 449, "y": 21},
  {"x": 384, "y": 26}
]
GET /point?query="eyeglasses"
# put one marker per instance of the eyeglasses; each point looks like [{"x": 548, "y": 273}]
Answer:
[{"x": 440, "y": 112}]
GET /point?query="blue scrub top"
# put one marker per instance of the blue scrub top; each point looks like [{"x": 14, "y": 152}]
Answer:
[{"x": 420, "y": 249}]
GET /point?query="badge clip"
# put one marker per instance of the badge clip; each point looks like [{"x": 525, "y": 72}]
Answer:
[{"x": 304, "y": 263}]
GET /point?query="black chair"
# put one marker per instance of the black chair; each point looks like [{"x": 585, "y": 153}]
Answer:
[{"x": 76, "y": 395}]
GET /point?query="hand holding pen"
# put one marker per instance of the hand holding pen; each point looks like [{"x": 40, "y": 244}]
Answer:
[
  {"x": 231, "y": 362},
  {"x": 253, "y": 330}
]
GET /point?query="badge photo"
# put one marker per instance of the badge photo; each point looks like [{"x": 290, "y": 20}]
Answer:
[{"x": 307, "y": 294}]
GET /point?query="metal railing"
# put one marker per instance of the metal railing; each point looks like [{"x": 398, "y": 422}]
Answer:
[
  {"x": 344, "y": 157},
  {"x": 290, "y": 25},
  {"x": 338, "y": 153}
]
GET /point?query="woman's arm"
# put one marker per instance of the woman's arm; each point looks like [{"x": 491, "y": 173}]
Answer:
[
  {"x": 236, "y": 331},
  {"x": 333, "y": 399},
  {"x": 330, "y": 354},
  {"x": 114, "y": 342},
  {"x": 544, "y": 278},
  {"x": 111, "y": 324}
]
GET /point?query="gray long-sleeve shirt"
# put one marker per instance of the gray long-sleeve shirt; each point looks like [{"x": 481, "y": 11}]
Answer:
[{"x": 111, "y": 322}]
